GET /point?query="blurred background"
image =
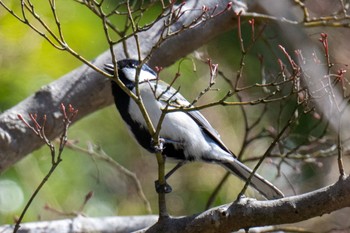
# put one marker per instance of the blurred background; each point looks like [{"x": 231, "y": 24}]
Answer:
[{"x": 28, "y": 62}]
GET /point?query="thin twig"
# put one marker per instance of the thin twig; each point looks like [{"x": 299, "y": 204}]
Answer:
[
  {"x": 104, "y": 157},
  {"x": 39, "y": 130}
]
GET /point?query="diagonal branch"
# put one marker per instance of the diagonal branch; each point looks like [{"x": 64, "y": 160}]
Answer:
[
  {"x": 86, "y": 84},
  {"x": 251, "y": 212}
]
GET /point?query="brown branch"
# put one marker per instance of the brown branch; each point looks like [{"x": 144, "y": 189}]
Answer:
[{"x": 56, "y": 159}]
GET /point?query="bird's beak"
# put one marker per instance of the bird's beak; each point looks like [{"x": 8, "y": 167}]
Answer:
[{"x": 110, "y": 68}]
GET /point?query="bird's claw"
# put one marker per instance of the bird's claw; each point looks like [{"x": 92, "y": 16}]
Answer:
[{"x": 158, "y": 147}]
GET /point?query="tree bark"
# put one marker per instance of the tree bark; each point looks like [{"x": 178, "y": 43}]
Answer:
[
  {"x": 80, "y": 223},
  {"x": 243, "y": 214},
  {"x": 89, "y": 91}
]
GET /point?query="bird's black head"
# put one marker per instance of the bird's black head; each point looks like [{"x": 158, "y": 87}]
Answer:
[
  {"x": 127, "y": 70},
  {"x": 128, "y": 63}
]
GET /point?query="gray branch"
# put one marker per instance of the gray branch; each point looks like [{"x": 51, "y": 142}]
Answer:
[
  {"x": 80, "y": 224},
  {"x": 248, "y": 213},
  {"x": 89, "y": 91},
  {"x": 243, "y": 214}
]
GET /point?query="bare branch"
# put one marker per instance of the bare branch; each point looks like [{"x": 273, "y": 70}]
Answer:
[
  {"x": 104, "y": 157},
  {"x": 85, "y": 83},
  {"x": 56, "y": 159},
  {"x": 252, "y": 213}
]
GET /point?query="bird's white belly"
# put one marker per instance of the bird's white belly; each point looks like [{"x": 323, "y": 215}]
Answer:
[{"x": 178, "y": 127}]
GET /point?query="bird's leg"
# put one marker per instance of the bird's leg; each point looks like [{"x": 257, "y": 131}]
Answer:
[
  {"x": 180, "y": 164},
  {"x": 166, "y": 188}
]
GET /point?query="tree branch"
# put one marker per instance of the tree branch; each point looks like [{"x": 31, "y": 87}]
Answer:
[
  {"x": 249, "y": 212},
  {"x": 89, "y": 91},
  {"x": 86, "y": 224}
]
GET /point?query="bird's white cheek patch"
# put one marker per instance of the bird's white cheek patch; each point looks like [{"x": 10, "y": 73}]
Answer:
[{"x": 130, "y": 74}]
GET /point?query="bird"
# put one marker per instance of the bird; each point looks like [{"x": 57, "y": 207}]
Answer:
[{"x": 186, "y": 136}]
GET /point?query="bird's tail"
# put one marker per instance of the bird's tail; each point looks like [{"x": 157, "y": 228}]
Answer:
[{"x": 259, "y": 183}]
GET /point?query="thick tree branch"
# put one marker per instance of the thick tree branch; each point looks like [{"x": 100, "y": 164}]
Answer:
[
  {"x": 89, "y": 91},
  {"x": 250, "y": 212},
  {"x": 85, "y": 224},
  {"x": 243, "y": 214}
]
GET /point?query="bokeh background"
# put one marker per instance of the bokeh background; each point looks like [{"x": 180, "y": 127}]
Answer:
[{"x": 28, "y": 62}]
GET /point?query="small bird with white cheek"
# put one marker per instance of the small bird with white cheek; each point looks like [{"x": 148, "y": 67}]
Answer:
[{"x": 186, "y": 135}]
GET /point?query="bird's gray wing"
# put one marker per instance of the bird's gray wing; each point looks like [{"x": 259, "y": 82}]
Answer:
[
  {"x": 205, "y": 125},
  {"x": 169, "y": 95}
]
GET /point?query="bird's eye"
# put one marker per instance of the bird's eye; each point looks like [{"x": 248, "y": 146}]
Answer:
[{"x": 131, "y": 65}]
